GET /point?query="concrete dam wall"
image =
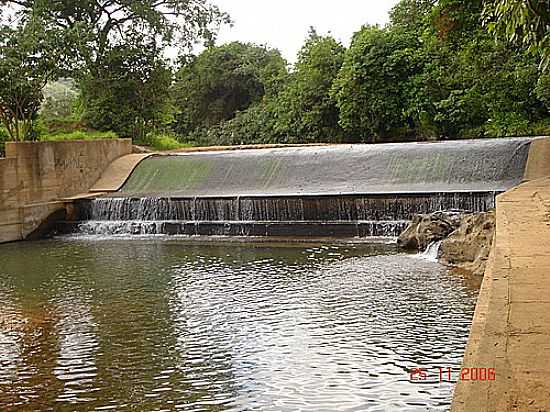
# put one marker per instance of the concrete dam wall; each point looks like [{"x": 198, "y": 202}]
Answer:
[
  {"x": 340, "y": 190},
  {"x": 458, "y": 166}
]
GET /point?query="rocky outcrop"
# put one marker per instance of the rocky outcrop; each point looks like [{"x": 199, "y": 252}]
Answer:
[
  {"x": 140, "y": 149},
  {"x": 425, "y": 229},
  {"x": 468, "y": 247},
  {"x": 466, "y": 237}
]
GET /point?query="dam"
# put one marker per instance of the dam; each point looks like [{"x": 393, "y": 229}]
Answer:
[
  {"x": 325, "y": 191},
  {"x": 315, "y": 309}
]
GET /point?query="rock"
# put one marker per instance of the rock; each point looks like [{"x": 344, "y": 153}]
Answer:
[
  {"x": 141, "y": 149},
  {"x": 425, "y": 229},
  {"x": 468, "y": 247}
]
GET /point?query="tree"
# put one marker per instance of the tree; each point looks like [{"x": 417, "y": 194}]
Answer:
[
  {"x": 306, "y": 110},
  {"x": 370, "y": 90},
  {"x": 221, "y": 81},
  {"x": 474, "y": 86},
  {"x": 411, "y": 15},
  {"x": 105, "y": 35},
  {"x": 524, "y": 21},
  {"x": 96, "y": 26},
  {"x": 29, "y": 58},
  {"x": 128, "y": 93},
  {"x": 60, "y": 99}
]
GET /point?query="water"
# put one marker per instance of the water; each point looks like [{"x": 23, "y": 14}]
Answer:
[
  {"x": 160, "y": 324},
  {"x": 432, "y": 251},
  {"x": 488, "y": 165},
  {"x": 283, "y": 209},
  {"x": 323, "y": 216}
]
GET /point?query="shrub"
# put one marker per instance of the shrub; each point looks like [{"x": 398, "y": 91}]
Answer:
[
  {"x": 4, "y": 137},
  {"x": 78, "y": 135},
  {"x": 162, "y": 141}
]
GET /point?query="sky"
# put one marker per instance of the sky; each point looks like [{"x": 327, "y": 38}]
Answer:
[{"x": 284, "y": 24}]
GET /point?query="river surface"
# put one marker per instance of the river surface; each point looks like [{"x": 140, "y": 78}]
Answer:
[{"x": 164, "y": 324}]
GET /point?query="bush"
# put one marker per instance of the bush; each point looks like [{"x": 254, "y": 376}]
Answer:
[
  {"x": 78, "y": 135},
  {"x": 162, "y": 141},
  {"x": 4, "y": 137}
]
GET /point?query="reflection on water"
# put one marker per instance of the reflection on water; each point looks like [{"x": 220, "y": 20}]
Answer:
[{"x": 163, "y": 324}]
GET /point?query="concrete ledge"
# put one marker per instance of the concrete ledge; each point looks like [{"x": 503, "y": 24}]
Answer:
[
  {"x": 511, "y": 327},
  {"x": 317, "y": 230},
  {"x": 118, "y": 172}
]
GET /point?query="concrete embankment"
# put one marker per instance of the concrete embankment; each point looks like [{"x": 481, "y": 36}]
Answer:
[
  {"x": 511, "y": 327},
  {"x": 37, "y": 178}
]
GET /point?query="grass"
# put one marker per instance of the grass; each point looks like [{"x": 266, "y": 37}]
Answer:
[
  {"x": 77, "y": 135},
  {"x": 160, "y": 142}
]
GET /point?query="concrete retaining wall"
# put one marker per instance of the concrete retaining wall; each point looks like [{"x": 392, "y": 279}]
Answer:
[{"x": 36, "y": 179}]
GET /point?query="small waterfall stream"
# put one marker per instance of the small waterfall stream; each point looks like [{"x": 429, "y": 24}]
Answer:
[
  {"x": 309, "y": 216},
  {"x": 431, "y": 253}
]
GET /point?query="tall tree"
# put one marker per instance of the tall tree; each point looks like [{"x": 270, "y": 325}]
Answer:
[
  {"x": 100, "y": 25},
  {"x": 224, "y": 80},
  {"x": 103, "y": 32},
  {"x": 128, "y": 93},
  {"x": 29, "y": 59},
  {"x": 370, "y": 90},
  {"x": 307, "y": 112}
]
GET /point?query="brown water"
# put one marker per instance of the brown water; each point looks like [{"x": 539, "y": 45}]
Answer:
[{"x": 157, "y": 324}]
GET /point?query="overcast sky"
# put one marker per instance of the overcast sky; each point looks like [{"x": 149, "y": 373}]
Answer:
[{"x": 284, "y": 24}]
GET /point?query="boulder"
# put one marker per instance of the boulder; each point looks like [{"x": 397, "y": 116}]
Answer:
[
  {"x": 428, "y": 228},
  {"x": 468, "y": 247},
  {"x": 141, "y": 149}
]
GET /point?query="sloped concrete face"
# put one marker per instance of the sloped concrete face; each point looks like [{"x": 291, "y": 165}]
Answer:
[
  {"x": 35, "y": 177},
  {"x": 490, "y": 165}
]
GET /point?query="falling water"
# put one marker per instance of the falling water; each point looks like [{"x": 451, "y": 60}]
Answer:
[
  {"x": 318, "y": 216},
  {"x": 431, "y": 253}
]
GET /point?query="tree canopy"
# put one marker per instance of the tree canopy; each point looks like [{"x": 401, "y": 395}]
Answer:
[
  {"x": 444, "y": 69},
  {"x": 524, "y": 21},
  {"x": 224, "y": 80},
  {"x": 29, "y": 58}
]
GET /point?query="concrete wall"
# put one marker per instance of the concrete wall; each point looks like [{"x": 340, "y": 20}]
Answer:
[
  {"x": 538, "y": 162},
  {"x": 37, "y": 178}
]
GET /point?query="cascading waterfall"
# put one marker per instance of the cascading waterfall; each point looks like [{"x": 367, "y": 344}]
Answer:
[
  {"x": 367, "y": 215},
  {"x": 349, "y": 190}
]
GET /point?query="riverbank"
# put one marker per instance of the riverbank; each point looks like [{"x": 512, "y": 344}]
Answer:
[{"x": 511, "y": 326}]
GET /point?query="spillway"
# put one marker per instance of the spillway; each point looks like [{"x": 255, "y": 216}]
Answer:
[{"x": 340, "y": 190}]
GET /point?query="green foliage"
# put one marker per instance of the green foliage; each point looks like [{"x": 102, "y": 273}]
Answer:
[
  {"x": 4, "y": 137},
  {"x": 543, "y": 89},
  {"x": 29, "y": 58},
  {"x": 522, "y": 21},
  {"x": 60, "y": 102},
  {"x": 129, "y": 92},
  {"x": 162, "y": 141},
  {"x": 256, "y": 125},
  {"x": 433, "y": 72},
  {"x": 371, "y": 89},
  {"x": 306, "y": 112},
  {"x": 92, "y": 28},
  {"x": 437, "y": 76},
  {"x": 221, "y": 81},
  {"x": 78, "y": 135},
  {"x": 115, "y": 49}
]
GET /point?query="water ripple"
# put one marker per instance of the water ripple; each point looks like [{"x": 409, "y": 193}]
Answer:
[{"x": 169, "y": 325}]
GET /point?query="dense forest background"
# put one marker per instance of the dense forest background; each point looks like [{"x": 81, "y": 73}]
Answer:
[{"x": 443, "y": 69}]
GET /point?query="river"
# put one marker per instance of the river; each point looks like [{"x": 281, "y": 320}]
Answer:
[{"x": 161, "y": 323}]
